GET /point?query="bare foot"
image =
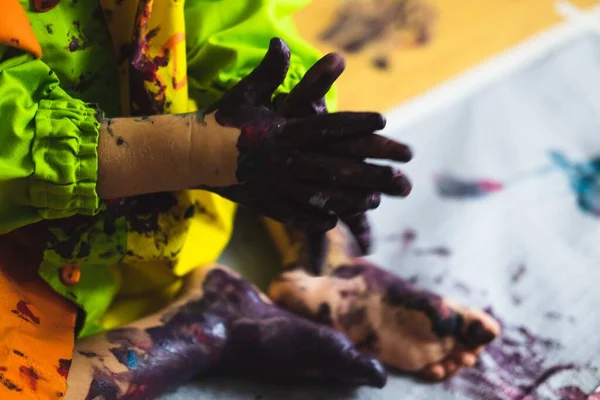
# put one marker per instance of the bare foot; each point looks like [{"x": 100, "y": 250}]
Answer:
[{"x": 405, "y": 327}]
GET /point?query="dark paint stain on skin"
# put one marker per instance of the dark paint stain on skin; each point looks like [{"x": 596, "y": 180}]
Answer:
[
  {"x": 399, "y": 294},
  {"x": 121, "y": 141},
  {"x": 109, "y": 129},
  {"x": 354, "y": 317},
  {"x": 229, "y": 329},
  {"x": 348, "y": 271},
  {"x": 64, "y": 366},
  {"x": 403, "y": 294},
  {"x": 369, "y": 343},
  {"x": 49, "y": 29},
  {"x": 513, "y": 367},
  {"x": 32, "y": 375},
  {"x": 10, "y": 385},
  {"x": 24, "y": 312},
  {"x": 323, "y": 315},
  {"x": 90, "y": 354}
]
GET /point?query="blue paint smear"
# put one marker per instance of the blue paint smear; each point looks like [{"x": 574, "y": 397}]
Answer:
[
  {"x": 131, "y": 359},
  {"x": 584, "y": 179}
]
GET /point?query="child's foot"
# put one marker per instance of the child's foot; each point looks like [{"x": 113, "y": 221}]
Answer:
[
  {"x": 405, "y": 327},
  {"x": 263, "y": 339}
]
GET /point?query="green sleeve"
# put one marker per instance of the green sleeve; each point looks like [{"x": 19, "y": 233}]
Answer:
[
  {"x": 226, "y": 39},
  {"x": 48, "y": 146}
]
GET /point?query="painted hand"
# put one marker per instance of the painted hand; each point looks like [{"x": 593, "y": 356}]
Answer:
[
  {"x": 308, "y": 98},
  {"x": 301, "y": 167}
]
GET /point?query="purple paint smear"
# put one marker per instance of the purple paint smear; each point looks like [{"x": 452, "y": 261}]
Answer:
[
  {"x": 513, "y": 367},
  {"x": 457, "y": 188}
]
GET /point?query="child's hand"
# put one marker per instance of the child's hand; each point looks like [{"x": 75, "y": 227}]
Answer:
[
  {"x": 308, "y": 98},
  {"x": 308, "y": 168}
]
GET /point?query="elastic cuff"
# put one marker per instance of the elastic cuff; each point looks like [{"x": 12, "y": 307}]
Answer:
[{"x": 65, "y": 157}]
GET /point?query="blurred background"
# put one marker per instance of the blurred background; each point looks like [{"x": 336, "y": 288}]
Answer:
[{"x": 500, "y": 101}]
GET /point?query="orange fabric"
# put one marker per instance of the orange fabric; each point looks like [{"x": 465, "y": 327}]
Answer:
[
  {"x": 15, "y": 29},
  {"x": 36, "y": 330}
]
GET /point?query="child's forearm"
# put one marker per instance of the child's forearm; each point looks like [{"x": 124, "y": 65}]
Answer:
[{"x": 165, "y": 153}]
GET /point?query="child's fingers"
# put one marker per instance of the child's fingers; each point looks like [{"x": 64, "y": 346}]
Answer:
[
  {"x": 341, "y": 202},
  {"x": 372, "y": 146},
  {"x": 257, "y": 88},
  {"x": 307, "y": 97},
  {"x": 339, "y": 172},
  {"x": 327, "y": 127}
]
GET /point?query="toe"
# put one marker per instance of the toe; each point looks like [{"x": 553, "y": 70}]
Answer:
[
  {"x": 434, "y": 372},
  {"x": 480, "y": 329},
  {"x": 467, "y": 359},
  {"x": 450, "y": 366}
]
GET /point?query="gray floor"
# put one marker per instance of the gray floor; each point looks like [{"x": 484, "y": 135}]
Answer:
[{"x": 528, "y": 252}]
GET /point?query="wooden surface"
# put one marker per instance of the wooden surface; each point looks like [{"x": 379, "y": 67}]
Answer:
[{"x": 463, "y": 33}]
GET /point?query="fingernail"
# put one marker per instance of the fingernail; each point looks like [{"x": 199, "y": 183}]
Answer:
[
  {"x": 401, "y": 185},
  {"x": 374, "y": 201},
  {"x": 404, "y": 154}
]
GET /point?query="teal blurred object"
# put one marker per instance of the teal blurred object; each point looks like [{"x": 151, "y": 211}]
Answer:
[{"x": 584, "y": 179}]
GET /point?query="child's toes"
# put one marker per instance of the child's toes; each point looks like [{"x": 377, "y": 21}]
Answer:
[
  {"x": 479, "y": 329},
  {"x": 450, "y": 366},
  {"x": 468, "y": 359},
  {"x": 433, "y": 372}
]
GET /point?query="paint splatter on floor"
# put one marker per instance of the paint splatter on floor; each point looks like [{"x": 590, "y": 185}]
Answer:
[
  {"x": 514, "y": 367},
  {"x": 584, "y": 179},
  {"x": 519, "y": 273},
  {"x": 449, "y": 186},
  {"x": 408, "y": 238}
]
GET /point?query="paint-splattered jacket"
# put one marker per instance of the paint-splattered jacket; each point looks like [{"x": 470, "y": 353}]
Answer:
[{"x": 79, "y": 53}]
